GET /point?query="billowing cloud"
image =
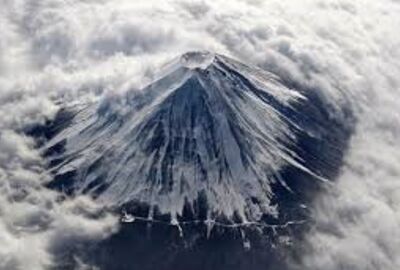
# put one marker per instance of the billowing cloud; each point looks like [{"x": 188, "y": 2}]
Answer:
[{"x": 54, "y": 50}]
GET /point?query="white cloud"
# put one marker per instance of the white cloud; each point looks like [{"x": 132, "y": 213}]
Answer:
[{"x": 349, "y": 50}]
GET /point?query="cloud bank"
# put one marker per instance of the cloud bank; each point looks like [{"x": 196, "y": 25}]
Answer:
[{"x": 54, "y": 50}]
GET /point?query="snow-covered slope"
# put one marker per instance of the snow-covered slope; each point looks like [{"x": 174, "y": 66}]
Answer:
[{"x": 208, "y": 129}]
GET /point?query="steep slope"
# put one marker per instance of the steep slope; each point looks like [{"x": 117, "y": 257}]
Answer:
[{"x": 210, "y": 135}]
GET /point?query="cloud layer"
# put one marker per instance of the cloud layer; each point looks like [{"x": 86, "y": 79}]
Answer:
[{"x": 55, "y": 50}]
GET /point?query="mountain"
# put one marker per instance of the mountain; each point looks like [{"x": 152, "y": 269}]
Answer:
[
  {"x": 218, "y": 160},
  {"x": 209, "y": 136}
]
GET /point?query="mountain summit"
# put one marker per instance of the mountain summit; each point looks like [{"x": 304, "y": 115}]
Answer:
[
  {"x": 209, "y": 134},
  {"x": 197, "y": 59}
]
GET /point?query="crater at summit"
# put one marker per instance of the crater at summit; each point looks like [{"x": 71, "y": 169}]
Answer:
[{"x": 197, "y": 59}]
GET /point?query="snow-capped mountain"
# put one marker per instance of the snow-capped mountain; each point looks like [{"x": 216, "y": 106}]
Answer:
[{"x": 208, "y": 131}]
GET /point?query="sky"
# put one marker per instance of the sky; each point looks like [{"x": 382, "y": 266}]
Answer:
[{"x": 53, "y": 50}]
